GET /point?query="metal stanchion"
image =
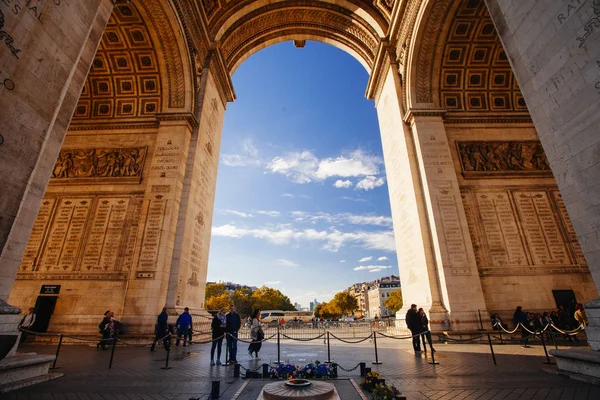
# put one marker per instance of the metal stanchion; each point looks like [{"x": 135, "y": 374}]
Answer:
[
  {"x": 215, "y": 390},
  {"x": 328, "y": 350},
  {"x": 362, "y": 369},
  {"x": 226, "y": 350},
  {"x": 265, "y": 371},
  {"x": 236, "y": 370},
  {"x": 553, "y": 338},
  {"x": 480, "y": 321},
  {"x": 112, "y": 352},
  {"x": 57, "y": 351},
  {"x": 433, "y": 362},
  {"x": 335, "y": 371},
  {"x": 375, "y": 344},
  {"x": 548, "y": 361},
  {"x": 492, "y": 348},
  {"x": 278, "y": 346},
  {"x": 500, "y": 333},
  {"x": 168, "y": 352}
]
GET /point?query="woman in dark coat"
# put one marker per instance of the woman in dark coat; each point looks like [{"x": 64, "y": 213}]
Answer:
[
  {"x": 425, "y": 328},
  {"x": 218, "y": 330},
  {"x": 256, "y": 333}
]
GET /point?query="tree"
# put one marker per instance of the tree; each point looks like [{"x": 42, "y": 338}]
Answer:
[
  {"x": 318, "y": 310},
  {"x": 241, "y": 299},
  {"x": 394, "y": 301},
  {"x": 217, "y": 302},
  {"x": 344, "y": 303},
  {"x": 214, "y": 290},
  {"x": 266, "y": 298}
]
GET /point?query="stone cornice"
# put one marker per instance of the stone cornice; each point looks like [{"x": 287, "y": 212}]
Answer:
[
  {"x": 423, "y": 112},
  {"x": 466, "y": 118},
  {"x": 383, "y": 60},
  {"x": 113, "y": 124},
  {"x": 189, "y": 118}
]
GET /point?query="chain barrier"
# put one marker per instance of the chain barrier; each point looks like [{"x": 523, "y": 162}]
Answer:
[
  {"x": 445, "y": 337},
  {"x": 255, "y": 341},
  {"x": 403, "y": 337},
  {"x": 348, "y": 370},
  {"x": 350, "y": 341},
  {"x": 303, "y": 340},
  {"x": 575, "y": 331}
]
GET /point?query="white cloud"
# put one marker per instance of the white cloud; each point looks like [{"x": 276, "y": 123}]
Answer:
[
  {"x": 365, "y": 259},
  {"x": 370, "y": 183},
  {"x": 383, "y": 258},
  {"x": 342, "y": 184},
  {"x": 273, "y": 283},
  {"x": 287, "y": 263},
  {"x": 332, "y": 239},
  {"x": 268, "y": 213},
  {"x": 237, "y": 213},
  {"x": 287, "y": 195},
  {"x": 303, "y": 216},
  {"x": 249, "y": 156},
  {"x": 305, "y": 167},
  {"x": 343, "y": 261},
  {"x": 372, "y": 268},
  {"x": 358, "y": 200}
]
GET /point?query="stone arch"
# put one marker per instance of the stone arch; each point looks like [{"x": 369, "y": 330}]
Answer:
[
  {"x": 140, "y": 68},
  {"x": 458, "y": 64}
]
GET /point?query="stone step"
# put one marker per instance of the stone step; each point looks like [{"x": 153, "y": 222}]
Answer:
[{"x": 24, "y": 370}]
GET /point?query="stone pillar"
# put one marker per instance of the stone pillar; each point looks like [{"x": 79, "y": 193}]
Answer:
[
  {"x": 554, "y": 51},
  {"x": 419, "y": 274},
  {"x": 45, "y": 54},
  {"x": 189, "y": 265},
  {"x": 146, "y": 292},
  {"x": 454, "y": 258}
]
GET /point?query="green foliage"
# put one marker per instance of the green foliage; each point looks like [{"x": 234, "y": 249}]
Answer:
[{"x": 394, "y": 301}]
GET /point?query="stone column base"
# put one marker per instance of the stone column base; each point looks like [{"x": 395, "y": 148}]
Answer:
[
  {"x": 9, "y": 320},
  {"x": 581, "y": 364}
]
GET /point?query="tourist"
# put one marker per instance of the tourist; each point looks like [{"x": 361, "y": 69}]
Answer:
[
  {"x": 218, "y": 325},
  {"x": 425, "y": 330},
  {"x": 497, "y": 323},
  {"x": 256, "y": 334},
  {"x": 161, "y": 330},
  {"x": 520, "y": 317},
  {"x": 413, "y": 322},
  {"x": 580, "y": 315},
  {"x": 104, "y": 329},
  {"x": 27, "y": 323},
  {"x": 184, "y": 325},
  {"x": 234, "y": 322}
]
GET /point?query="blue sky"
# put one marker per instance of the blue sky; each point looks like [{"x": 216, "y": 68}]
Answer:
[{"x": 302, "y": 202}]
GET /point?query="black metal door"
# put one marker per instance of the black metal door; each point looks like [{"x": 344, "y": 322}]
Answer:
[
  {"x": 565, "y": 298},
  {"x": 44, "y": 307}
]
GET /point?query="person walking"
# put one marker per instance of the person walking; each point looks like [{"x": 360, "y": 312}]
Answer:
[
  {"x": 256, "y": 334},
  {"x": 425, "y": 330},
  {"x": 233, "y": 324},
  {"x": 413, "y": 322},
  {"x": 184, "y": 324},
  {"x": 104, "y": 329},
  {"x": 218, "y": 326},
  {"x": 520, "y": 317},
  {"x": 161, "y": 330},
  {"x": 27, "y": 323}
]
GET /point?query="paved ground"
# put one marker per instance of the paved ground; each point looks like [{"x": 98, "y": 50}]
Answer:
[{"x": 463, "y": 372}]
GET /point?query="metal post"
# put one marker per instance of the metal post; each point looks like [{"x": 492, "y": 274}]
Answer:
[
  {"x": 112, "y": 352},
  {"x": 335, "y": 372},
  {"x": 236, "y": 370},
  {"x": 433, "y": 362},
  {"x": 278, "y": 345},
  {"x": 215, "y": 390},
  {"x": 226, "y": 349},
  {"x": 480, "y": 320},
  {"x": 500, "y": 333},
  {"x": 328, "y": 350},
  {"x": 491, "y": 348},
  {"x": 265, "y": 372},
  {"x": 57, "y": 351},
  {"x": 168, "y": 352},
  {"x": 553, "y": 336},
  {"x": 362, "y": 369},
  {"x": 375, "y": 343},
  {"x": 548, "y": 361}
]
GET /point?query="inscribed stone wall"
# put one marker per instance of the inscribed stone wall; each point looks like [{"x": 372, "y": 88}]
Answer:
[{"x": 525, "y": 245}]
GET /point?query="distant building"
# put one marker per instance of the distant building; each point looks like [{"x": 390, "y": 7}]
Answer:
[
  {"x": 297, "y": 306},
  {"x": 312, "y": 306},
  {"x": 378, "y": 293},
  {"x": 361, "y": 292},
  {"x": 231, "y": 287}
]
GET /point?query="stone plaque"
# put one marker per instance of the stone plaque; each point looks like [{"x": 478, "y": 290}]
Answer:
[
  {"x": 544, "y": 238},
  {"x": 30, "y": 259},
  {"x": 501, "y": 231},
  {"x": 74, "y": 239},
  {"x": 130, "y": 236},
  {"x": 569, "y": 230},
  {"x": 453, "y": 233},
  {"x": 495, "y": 158},
  {"x": 151, "y": 239}
]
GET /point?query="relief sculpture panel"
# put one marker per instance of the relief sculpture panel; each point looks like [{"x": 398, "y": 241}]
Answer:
[
  {"x": 83, "y": 237},
  {"x": 83, "y": 166},
  {"x": 501, "y": 159},
  {"x": 521, "y": 232}
]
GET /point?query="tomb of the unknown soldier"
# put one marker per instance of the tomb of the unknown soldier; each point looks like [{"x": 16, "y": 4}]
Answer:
[{"x": 111, "y": 120}]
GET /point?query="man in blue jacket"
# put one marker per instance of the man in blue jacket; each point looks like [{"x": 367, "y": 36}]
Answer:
[
  {"x": 161, "y": 331},
  {"x": 234, "y": 322},
  {"x": 184, "y": 325}
]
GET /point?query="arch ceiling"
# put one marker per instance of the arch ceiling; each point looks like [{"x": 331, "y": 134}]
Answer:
[{"x": 459, "y": 63}]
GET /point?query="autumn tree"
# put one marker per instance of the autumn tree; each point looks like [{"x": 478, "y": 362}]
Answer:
[
  {"x": 214, "y": 290},
  {"x": 266, "y": 298},
  {"x": 217, "y": 302},
  {"x": 241, "y": 299},
  {"x": 343, "y": 303},
  {"x": 394, "y": 301}
]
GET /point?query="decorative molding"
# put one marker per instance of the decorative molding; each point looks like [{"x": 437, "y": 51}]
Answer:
[
  {"x": 383, "y": 62},
  {"x": 466, "y": 118},
  {"x": 189, "y": 118},
  {"x": 423, "y": 112},
  {"x": 221, "y": 76}
]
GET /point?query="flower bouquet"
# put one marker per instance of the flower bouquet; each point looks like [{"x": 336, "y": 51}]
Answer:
[
  {"x": 371, "y": 380},
  {"x": 385, "y": 392},
  {"x": 284, "y": 371}
]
